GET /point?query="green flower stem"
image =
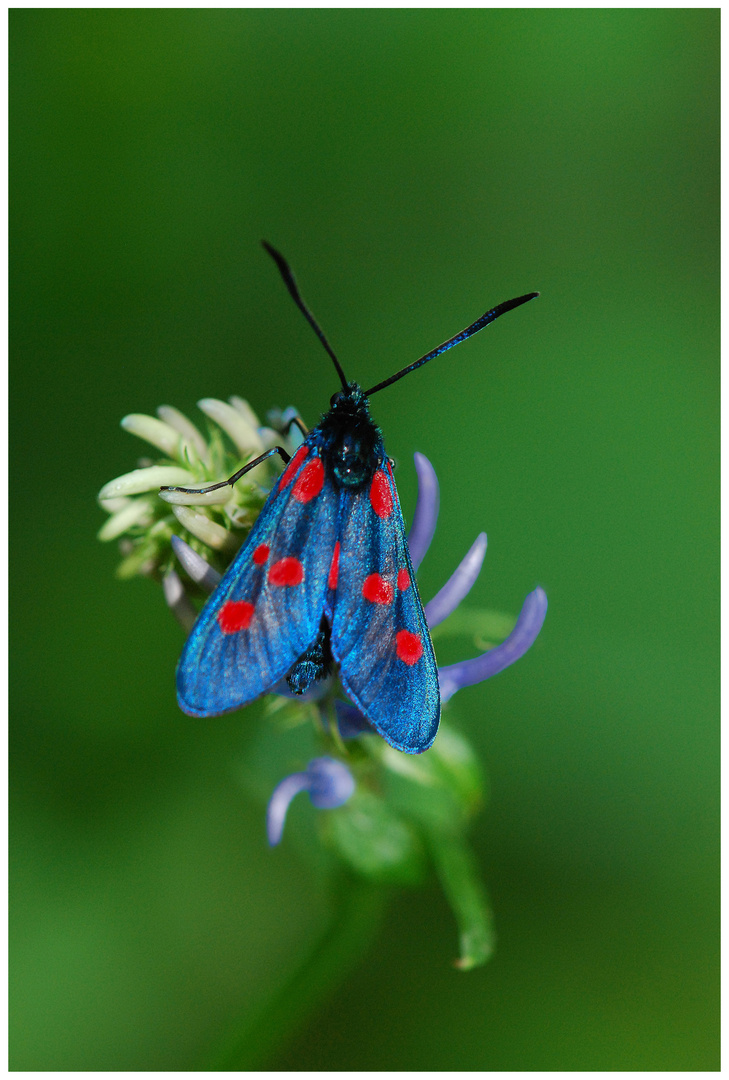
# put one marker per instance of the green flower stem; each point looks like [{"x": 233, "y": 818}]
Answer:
[
  {"x": 356, "y": 916},
  {"x": 458, "y": 874}
]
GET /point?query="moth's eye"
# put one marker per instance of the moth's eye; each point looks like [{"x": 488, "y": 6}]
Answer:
[{"x": 335, "y": 398}]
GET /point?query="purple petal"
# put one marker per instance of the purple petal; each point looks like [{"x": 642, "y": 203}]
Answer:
[
  {"x": 178, "y": 601},
  {"x": 200, "y": 571},
  {"x": 330, "y": 783},
  {"x": 426, "y": 510},
  {"x": 455, "y": 676},
  {"x": 350, "y": 721},
  {"x": 279, "y": 802},
  {"x": 458, "y": 586}
]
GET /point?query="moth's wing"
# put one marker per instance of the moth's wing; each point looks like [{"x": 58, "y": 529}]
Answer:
[
  {"x": 267, "y": 609},
  {"x": 380, "y": 638}
]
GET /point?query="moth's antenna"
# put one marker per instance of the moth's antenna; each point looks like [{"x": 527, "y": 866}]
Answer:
[
  {"x": 290, "y": 282},
  {"x": 486, "y": 318}
]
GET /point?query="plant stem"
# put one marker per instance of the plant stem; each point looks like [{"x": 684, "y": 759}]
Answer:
[{"x": 357, "y": 911}]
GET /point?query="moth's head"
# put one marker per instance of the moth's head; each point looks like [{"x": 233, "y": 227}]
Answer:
[
  {"x": 349, "y": 399},
  {"x": 352, "y": 437}
]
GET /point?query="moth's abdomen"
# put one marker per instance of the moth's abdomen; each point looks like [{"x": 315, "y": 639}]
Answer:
[{"x": 314, "y": 665}]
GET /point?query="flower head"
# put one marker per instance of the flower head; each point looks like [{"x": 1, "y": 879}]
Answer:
[
  {"x": 214, "y": 524},
  {"x": 391, "y": 812}
]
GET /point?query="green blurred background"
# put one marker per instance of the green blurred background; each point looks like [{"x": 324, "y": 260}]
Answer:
[{"x": 416, "y": 167}]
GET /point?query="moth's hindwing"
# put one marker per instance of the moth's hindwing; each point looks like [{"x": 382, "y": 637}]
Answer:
[
  {"x": 380, "y": 637},
  {"x": 267, "y": 609}
]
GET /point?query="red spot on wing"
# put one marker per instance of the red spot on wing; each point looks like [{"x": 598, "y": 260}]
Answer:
[
  {"x": 235, "y": 615},
  {"x": 409, "y": 647},
  {"x": 380, "y": 495},
  {"x": 293, "y": 466},
  {"x": 334, "y": 568},
  {"x": 310, "y": 481},
  {"x": 288, "y": 571},
  {"x": 377, "y": 590},
  {"x": 261, "y": 554},
  {"x": 403, "y": 580}
]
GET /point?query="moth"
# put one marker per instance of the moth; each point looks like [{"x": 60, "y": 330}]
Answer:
[{"x": 324, "y": 583}]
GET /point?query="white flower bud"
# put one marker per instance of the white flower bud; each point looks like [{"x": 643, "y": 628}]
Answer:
[
  {"x": 241, "y": 405},
  {"x": 243, "y": 434},
  {"x": 134, "y": 512},
  {"x": 212, "y": 534},
  {"x": 141, "y": 480},
  {"x": 186, "y": 428},
  {"x": 208, "y": 498},
  {"x": 159, "y": 434}
]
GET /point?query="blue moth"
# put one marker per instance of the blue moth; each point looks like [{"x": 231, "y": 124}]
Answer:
[{"x": 324, "y": 581}]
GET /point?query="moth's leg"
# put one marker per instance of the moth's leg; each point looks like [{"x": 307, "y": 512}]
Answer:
[
  {"x": 299, "y": 423},
  {"x": 286, "y": 457}
]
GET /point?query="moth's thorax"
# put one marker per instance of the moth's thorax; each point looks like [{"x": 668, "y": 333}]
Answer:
[{"x": 351, "y": 442}]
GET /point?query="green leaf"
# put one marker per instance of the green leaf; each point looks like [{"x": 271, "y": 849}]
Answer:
[
  {"x": 374, "y": 841},
  {"x": 439, "y": 789},
  {"x": 459, "y": 767},
  {"x": 458, "y": 874}
]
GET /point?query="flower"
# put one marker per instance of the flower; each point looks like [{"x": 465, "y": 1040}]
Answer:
[
  {"x": 329, "y": 783},
  {"x": 391, "y": 814},
  {"x": 215, "y": 524}
]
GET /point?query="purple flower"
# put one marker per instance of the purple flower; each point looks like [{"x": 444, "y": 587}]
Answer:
[
  {"x": 454, "y": 677},
  {"x": 329, "y": 783}
]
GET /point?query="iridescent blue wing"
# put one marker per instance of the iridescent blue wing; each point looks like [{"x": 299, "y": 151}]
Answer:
[
  {"x": 380, "y": 638},
  {"x": 267, "y": 609}
]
